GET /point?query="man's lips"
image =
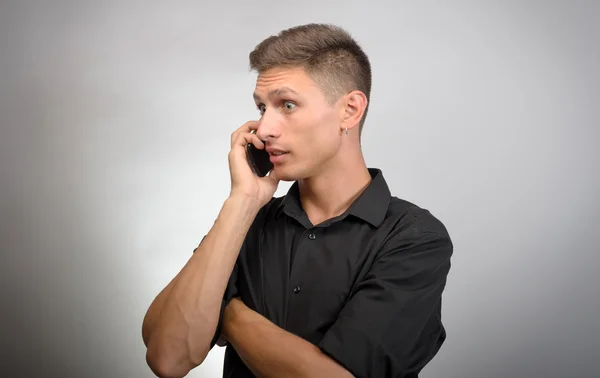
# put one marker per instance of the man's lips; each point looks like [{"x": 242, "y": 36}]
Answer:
[
  {"x": 275, "y": 151},
  {"x": 277, "y": 157}
]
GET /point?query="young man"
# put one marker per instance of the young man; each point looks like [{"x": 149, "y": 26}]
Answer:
[{"x": 336, "y": 279}]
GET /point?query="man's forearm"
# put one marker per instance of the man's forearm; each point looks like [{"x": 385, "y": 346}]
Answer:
[
  {"x": 270, "y": 351},
  {"x": 179, "y": 332}
]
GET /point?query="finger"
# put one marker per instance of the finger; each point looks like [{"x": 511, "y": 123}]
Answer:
[
  {"x": 244, "y": 138},
  {"x": 251, "y": 125},
  {"x": 245, "y": 128}
]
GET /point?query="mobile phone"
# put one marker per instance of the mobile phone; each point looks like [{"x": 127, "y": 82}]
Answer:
[{"x": 259, "y": 160}]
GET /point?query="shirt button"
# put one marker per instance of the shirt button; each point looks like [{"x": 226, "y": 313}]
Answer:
[
  {"x": 312, "y": 236},
  {"x": 296, "y": 289}
]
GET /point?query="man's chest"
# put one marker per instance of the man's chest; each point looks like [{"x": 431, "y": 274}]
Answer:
[{"x": 301, "y": 278}]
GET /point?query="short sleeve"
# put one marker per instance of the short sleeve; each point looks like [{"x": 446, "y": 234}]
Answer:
[
  {"x": 231, "y": 291},
  {"x": 391, "y": 325}
]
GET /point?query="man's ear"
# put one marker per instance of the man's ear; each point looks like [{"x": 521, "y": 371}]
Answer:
[{"x": 354, "y": 105}]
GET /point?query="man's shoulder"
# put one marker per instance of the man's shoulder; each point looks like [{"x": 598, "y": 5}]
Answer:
[
  {"x": 271, "y": 207},
  {"x": 266, "y": 212},
  {"x": 401, "y": 216},
  {"x": 410, "y": 217}
]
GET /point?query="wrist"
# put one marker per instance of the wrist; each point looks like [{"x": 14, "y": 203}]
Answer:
[{"x": 244, "y": 203}]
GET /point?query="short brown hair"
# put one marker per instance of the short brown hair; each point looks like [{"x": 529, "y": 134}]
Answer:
[{"x": 330, "y": 56}]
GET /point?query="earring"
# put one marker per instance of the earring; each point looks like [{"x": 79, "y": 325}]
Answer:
[{"x": 346, "y": 130}]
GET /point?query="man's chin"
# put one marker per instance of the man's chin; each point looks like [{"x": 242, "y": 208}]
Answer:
[{"x": 285, "y": 174}]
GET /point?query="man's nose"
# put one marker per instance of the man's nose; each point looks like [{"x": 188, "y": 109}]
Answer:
[{"x": 267, "y": 126}]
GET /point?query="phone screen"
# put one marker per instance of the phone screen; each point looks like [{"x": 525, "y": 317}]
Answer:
[{"x": 259, "y": 160}]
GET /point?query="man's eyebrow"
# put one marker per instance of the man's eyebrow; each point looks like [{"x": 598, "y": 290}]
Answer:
[{"x": 275, "y": 92}]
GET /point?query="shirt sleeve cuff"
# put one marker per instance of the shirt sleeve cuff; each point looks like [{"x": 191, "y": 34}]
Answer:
[{"x": 355, "y": 350}]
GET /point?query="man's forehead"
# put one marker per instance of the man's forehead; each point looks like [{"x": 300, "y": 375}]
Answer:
[
  {"x": 279, "y": 81},
  {"x": 277, "y": 91}
]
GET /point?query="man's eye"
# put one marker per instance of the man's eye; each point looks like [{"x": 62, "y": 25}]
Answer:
[
  {"x": 261, "y": 109},
  {"x": 289, "y": 105}
]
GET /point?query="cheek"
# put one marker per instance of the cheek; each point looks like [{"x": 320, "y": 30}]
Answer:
[
  {"x": 323, "y": 124},
  {"x": 321, "y": 138},
  {"x": 329, "y": 127}
]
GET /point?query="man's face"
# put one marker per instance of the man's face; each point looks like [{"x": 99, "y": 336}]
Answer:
[{"x": 298, "y": 120}]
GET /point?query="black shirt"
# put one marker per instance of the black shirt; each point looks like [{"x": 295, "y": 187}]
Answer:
[{"x": 365, "y": 286}]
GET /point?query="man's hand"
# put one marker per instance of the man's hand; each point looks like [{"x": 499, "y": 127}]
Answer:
[{"x": 243, "y": 181}]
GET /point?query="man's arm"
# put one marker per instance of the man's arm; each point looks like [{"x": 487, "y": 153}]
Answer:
[
  {"x": 269, "y": 351},
  {"x": 181, "y": 322}
]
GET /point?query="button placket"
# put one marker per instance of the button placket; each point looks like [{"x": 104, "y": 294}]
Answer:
[
  {"x": 311, "y": 236},
  {"x": 298, "y": 274}
]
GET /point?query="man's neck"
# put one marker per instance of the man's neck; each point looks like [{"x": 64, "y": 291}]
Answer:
[{"x": 332, "y": 192}]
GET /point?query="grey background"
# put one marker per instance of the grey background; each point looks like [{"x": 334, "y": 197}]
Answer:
[{"x": 115, "y": 122}]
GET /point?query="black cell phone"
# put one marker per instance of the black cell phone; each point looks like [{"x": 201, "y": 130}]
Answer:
[{"x": 259, "y": 160}]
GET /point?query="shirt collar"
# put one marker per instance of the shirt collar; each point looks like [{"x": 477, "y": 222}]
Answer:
[{"x": 371, "y": 206}]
